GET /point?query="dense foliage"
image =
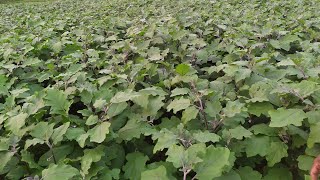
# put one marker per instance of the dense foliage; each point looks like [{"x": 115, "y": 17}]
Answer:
[{"x": 159, "y": 89}]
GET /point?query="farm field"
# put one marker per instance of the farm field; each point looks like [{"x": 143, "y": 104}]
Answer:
[{"x": 159, "y": 89}]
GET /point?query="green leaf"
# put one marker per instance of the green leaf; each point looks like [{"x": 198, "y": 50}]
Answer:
[
  {"x": 142, "y": 101},
  {"x": 213, "y": 108},
  {"x": 189, "y": 114},
  {"x": 176, "y": 155},
  {"x": 60, "y": 171},
  {"x": 29, "y": 159},
  {"x": 278, "y": 174},
  {"x": 193, "y": 154},
  {"x": 82, "y": 139},
  {"x": 136, "y": 163},
  {"x": 58, "y": 102},
  {"x": 133, "y": 129},
  {"x": 182, "y": 69},
  {"x": 241, "y": 74},
  {"x": 286, "y": 62},
  {"x": 313, "y": 117},
  {"x": 159, "y": 173},
  {"x": 99, "y": 132},
  {"x": 42, "y": 131},
  {"x": 284, "y": 117},
  {"x": 116, "y": 109},
  {"x": 154, "y": 91},
  {"x": 239, "y": 132},
  {"x": 123, "y": 96},
  {"x": 257, "y": 145},
  {"x": 277, "y": 150},
  {"x": 15, "y": 123},
  {"x": 90, "y": 156},
  {"x": 17, "y": 173},
  {"x": 74, "y": 133},
  {"x": 302, "y": 89},
  {"x": 206, "y": 136},
  {"x": 170, "y": 170},
  {"x": 178, "y": 105},
  {"x": 305, "y": 88},
  {"x": 214, "y": 162},
  {"x": 179, "y": 91},
  {"x": 60, "y": 153},
  {"x": 58, "y": 133},
  {"x": 32, "y": 142},
  {"x": 165, "y": 138},
  {"x": 92, "y": 119},
  {"x": 248, "y": 173},
  {"x": 231, "y": 175},
  {"x": 314, "y": 135},
  {"x": 233, "y": 107},
  {"x": 108, "y": 174},
  {"x": 305, "y": 162},
  {"x": 275, "y": 44},
  {"x": 5, "y": 157},
  {"x": 154, "y": 105},
  {"x": 264, "y": 129},
  {"x": 260, "y": 91},
  {"x": 259, "y": 108},
  {"x": 154, "y": 54},
  {"x": 99, "y": 104},
  {"x": 57, "y": 47}
]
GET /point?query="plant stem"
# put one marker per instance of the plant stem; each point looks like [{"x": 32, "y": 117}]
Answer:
[
  {"x": 185, "y": 173},
  {"x": 194, "y": 177},
  {"x": 201, "y": 108},
  {"x": 51, "y": 149}
]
